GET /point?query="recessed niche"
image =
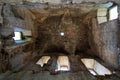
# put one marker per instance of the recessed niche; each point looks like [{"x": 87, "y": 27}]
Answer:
[
  {"x": 95, "y": 67},
  {"x": 63, "y": 63},
  {"x": 22, "y": 35},
  {"x": 17, "y": 36}
]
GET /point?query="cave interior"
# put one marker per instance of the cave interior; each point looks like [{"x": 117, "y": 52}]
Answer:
[{"x": 53, "y": 40}]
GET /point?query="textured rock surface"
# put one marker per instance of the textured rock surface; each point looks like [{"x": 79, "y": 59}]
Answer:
[
  {"x": 0, "y": 45},
  {"x": 82, "y": 34},
  {"x": 68, "y": 21},
  {"x": 75, "y": 23},
  {"x": 76, "y": 64},
  {"x": 105, "y": 40},
  {"x": 56, "y": 1},
  {"x": 28, "y": 75},
  {"x": 69, "y": 1},
  {"x": 11, "y": 1},
  {"x": 1, "y": 18},
  {"x": 23, "y": 75},
  {"x": 6, "y": 32}
]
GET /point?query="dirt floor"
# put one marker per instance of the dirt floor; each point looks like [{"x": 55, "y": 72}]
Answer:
[{"x": 29, "y": 75}]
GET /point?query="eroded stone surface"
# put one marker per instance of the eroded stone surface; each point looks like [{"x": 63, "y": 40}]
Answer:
[
  {"x": 81, "y": 31},
  {"x": 107, "y": 40}
]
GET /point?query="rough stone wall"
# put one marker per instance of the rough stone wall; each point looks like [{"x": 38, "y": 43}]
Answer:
[
  {"x": 11, "y": 1},
  {"x": 69, "y": 1},
  {"x": 56, "y": 1},
  {"x": 104, "y": 37},
  {"x": 70, "y": 22},
  {"x": 0, "y": 45},
  {"x": 105, "y": 40},
  {"x": 118, "y": 45},
  {"x": 1, "y": 18}
]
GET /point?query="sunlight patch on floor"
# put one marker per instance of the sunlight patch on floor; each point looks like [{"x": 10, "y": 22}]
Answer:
[
  {"x": 43, "y": 60},
  {"x": 95, "y": 67}
]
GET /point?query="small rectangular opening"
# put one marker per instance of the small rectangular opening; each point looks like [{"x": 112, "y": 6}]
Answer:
[
  {"x": 17, "y": 36},
  {"x": 22, "y": 35},
  {"x": 113, "y": 13}
]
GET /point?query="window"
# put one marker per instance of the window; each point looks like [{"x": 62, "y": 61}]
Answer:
[
  {"x": 21, "y": 35},
  {"x": 17, "y": 36},
  {"x": 63, "y": 63},
  {"x": 95, "y": 67},
  {"x": 113, "y": 13},
  {"x": 107, "y": 12}
]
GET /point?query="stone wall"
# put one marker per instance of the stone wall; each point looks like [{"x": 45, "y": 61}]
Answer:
[
  {"x": 69, "y": 1},
  {"x": 105, "y": 41},
  {"x": 11, "y": 1},
  {"x": 56, "y": 1},
  {"x": 0, "y": 45},
  {"x": 104, "y": 38},
  {"x": 1, "y": 18},
  {"x": 70, "y": 22}
]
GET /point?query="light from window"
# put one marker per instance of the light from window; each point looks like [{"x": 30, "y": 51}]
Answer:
[
  {"x": 92, "y": 72},
  {"x": 43, "y": 60},
  {"x": 17, "y": 36},
  {"x": 113, "y": 13},
  {"x": 95, "y": 67},
  {"x": 63, "y": 63}
]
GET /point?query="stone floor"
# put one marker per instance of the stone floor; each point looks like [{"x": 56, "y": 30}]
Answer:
[
  {"x": 34, "y": 72},
  {"x": 29, "y": 75}
]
